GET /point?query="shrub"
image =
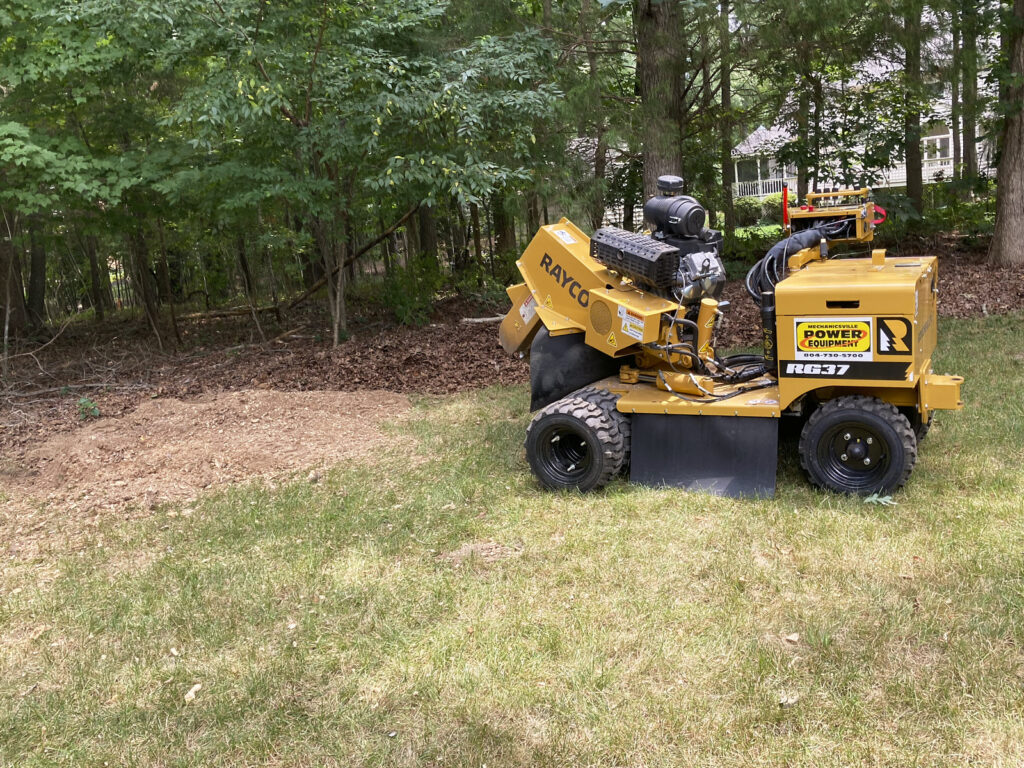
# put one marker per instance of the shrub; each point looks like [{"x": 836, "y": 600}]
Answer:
[
  {"x": 409, "y": 291},
  {"x": 771, "y": 209},
  {"x": 748, "y": 211},
  {"x": 749, "y": 244}
]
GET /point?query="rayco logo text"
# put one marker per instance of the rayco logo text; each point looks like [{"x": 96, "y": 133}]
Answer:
[{"x": 564, "y": 279}]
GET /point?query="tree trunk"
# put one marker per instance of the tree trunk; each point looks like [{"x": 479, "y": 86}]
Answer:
[
  {"x": 95, "y": 279},
  {"x": 600, "y": 168},
  {"x": 350, "y": 246},
  {"x": 428, "y": 232},
  {"x": 340, "y": 310},
  {"x": 803, "y": 136},
  {"x": 819, "y": 107},
  {"x": 954, "y": 101},
  {"x": 600, "y": 128},
  {"x": 243, "y": 267},
  {"x": 460, "y": 237},
  {"x": 1009, "y": 232},
  {"x": 532, "y": 213},
  {"x": 164, "y": 282},
  {"x": 912, "y": 118},
  {"x": 142, "y": 281},
  {"x": 36, "y": 304},
  {"x": 412, "y": 240},
  {"x": 504, "y": 226},
  {"x": 969, "y": 55},
  {"x": 657, "y": 68},
  {"x": 12, "y": 294},
  {"x": 725, "y": 122},
  {"x": 474, "y": 219}
]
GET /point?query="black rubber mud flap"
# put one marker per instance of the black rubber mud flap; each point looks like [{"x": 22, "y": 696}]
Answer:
[
  {"x": 725, "y": 455},
  {"x": 562, "y": 364}
]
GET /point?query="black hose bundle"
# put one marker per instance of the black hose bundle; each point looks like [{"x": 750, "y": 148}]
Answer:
[{"x": 772, "y": 267}]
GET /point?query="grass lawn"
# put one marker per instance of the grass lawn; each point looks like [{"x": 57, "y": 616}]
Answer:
[{"x": 632, "y": 627}]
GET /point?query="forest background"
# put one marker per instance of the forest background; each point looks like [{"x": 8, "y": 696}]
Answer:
[{"x": 182, "y": 159}]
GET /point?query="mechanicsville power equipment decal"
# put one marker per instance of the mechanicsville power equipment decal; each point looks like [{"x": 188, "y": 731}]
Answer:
[{"x": 829, "y": 338}]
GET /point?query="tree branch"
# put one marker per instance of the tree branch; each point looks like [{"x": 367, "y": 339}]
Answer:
[{"x": 323, "y": 280}]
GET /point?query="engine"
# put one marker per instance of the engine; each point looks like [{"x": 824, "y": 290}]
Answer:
[{"x": 680, "y": 261}]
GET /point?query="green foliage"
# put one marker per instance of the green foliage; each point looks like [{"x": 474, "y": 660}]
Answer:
[
  {"x": 771, "y": 209},
  {"x": 270, "y": 134},
  {"x": 87, "y": 409},
  {"x": 748, "y": 211},
  {"x": 410, "y": 292},
  {"x": 751, "y": 243},
  {"x": 966, "y": 208}
]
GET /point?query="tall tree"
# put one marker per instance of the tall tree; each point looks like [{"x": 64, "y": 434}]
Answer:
[
  {"x": 726, "y": 119},
  {"x": 658, "y": 71},
  {"x": 1009, "y": 229},
  {"x": 912, "y": 11}
]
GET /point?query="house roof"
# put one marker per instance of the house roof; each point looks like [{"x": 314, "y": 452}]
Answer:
[{"x": 761, "y": 141}]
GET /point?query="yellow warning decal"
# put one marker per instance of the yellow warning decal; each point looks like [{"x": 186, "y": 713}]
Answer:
[
  {"x": 827, "y": 338},
  {"x": 547, "y": 302},
  {"x": 611, "y": 340}
]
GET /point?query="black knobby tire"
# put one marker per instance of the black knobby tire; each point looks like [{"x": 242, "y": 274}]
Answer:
[
  {"x": 579, "y": 442},
  {"x": 606, "y": 401},
  {"x": 857, "y": 444},
  {"x": 919, "y": 425}
]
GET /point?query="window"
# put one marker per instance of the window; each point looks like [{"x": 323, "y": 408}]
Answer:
[{"x": 747, "y": 169}]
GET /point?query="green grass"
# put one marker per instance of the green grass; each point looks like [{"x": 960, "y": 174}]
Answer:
[{"x": 635, "y": 627}]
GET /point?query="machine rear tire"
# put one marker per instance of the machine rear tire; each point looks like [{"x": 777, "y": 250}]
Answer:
[
  {"x": 858, "y": 445},
  {"x": 579, "y": 442}
]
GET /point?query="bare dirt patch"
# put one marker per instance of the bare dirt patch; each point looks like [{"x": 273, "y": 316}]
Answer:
[
  {"x": 168, "y": 450},
  {"x": 481, "y": 552}
]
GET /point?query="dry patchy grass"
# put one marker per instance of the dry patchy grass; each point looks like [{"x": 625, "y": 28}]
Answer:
[{"x": 332, "y": 623}]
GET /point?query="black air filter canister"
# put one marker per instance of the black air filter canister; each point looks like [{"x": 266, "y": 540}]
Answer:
[{"x": 679, "y": 215}]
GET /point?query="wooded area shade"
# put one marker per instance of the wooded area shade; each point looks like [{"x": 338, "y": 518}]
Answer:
[{"x": 241, "y": 155}]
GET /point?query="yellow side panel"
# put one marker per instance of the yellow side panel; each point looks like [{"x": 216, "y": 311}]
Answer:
[
  {"x": 521, "y": 323},
  {"x": 557, "y": 324},
  {"x": 621, "y": 317},
  {"x": 646, "y": 398},
  {"x": 559, "y": 272},
  {"x": 856, "y": 326}
]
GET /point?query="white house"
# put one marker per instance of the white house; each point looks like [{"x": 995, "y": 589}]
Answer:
[{"x": 756, "y": 172}]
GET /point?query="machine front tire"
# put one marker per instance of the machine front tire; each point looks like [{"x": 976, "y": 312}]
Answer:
[
  {"x": 579, "y": 442},
  {"x": 858, "y": 445}
]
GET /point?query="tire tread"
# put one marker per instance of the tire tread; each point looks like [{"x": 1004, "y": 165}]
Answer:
[
  {"x": 595, "y": 408},
  {"x": 883, "y": 410}
]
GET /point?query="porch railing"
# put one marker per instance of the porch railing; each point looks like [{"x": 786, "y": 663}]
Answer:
[{"x": 932, "y": 170}]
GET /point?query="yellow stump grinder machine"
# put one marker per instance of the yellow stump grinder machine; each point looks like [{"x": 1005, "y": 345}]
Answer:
[{"x": 620, "y": 332}]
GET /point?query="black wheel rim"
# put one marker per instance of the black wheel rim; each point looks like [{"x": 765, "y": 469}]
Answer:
[
  {"x": 854, "y": 457},
  {"x": 565, "y": 454}
]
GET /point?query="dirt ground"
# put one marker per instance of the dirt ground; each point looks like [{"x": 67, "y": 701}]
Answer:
[
  {"x": 227, "y": 406},
  {"x": 169, "y": 449}
]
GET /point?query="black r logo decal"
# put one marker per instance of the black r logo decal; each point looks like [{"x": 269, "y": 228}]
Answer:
[{"x": 894, "y": 336}]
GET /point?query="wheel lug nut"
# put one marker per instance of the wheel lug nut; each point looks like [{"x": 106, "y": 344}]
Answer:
[
  {"x": 870, "y": 440},
  {"x": 844, "y": 457},
  {"x": 846, "y": 437},
  {"x": 866, "y": 462}
]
